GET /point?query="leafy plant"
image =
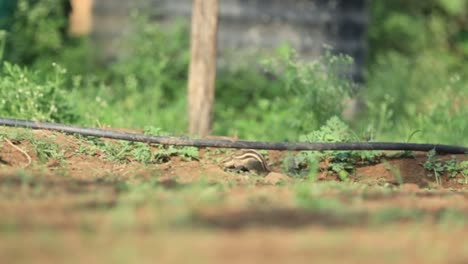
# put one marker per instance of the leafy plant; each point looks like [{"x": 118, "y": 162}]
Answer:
[
  {"x": 141, "y": 152},
  {"x": 117, "y": 152},
  {"x": 434, "y": 165},
  {"x": 33, "y": 95},
  {"x": 127, "y": 151},
  {"x": 438, "y": 167},
  {"x": 342, "y": 163},
  {"x": 452, "y": 167},
  {"x": 186, "y": 153}
]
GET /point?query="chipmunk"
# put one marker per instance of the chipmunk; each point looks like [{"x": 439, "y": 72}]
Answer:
[{"x": 247, "y": 160}]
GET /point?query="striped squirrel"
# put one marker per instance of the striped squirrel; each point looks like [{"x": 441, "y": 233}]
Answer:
[{"x": 246, "y": 160}]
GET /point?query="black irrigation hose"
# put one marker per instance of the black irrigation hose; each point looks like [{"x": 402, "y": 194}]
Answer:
[{"x": 239, "y": 144}]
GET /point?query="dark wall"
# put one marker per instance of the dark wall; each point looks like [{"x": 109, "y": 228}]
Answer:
[{"x": 257, "y": 24}]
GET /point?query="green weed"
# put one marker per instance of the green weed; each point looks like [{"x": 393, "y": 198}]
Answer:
[
  {"x": 141, "y": 152},
  {"x": 186, "y": 153},
  {"x": 434, "y": 165},
  {"x": 128, "y": 151},
  {"x": 86, "y": 150},
  {"x": 32, "y": 95},
  {"x": 341, "y": 163},
  {"x": 116, "y": 151},
  {"x": 46, "y": 150},
  {"x": 438, "y": 168},
  {"x": 16, "y": 134}
]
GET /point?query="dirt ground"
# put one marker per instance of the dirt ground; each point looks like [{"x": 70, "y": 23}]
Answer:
[{"x": 79, "y": 206}]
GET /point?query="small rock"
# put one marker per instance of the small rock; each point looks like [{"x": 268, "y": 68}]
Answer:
[{"x": 275, "y": 178}]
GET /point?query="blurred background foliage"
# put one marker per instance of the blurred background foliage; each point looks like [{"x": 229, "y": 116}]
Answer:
[
  {"x": 416, "y": 78},
  {"x": 417, "y": 74},
  {"x": 413, "y": 27}
]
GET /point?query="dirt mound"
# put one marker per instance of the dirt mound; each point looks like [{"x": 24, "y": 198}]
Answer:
[
  {"x": 83, "y": 195},
  {"x": 57, "y": 153}
]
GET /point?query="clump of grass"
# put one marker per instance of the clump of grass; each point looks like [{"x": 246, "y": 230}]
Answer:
[{"x": 46, "y": 150}]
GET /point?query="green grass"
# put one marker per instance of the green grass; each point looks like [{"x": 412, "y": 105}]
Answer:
[{"x": 127, "y": 151}]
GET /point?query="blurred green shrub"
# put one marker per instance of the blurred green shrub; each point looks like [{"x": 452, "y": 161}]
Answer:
[
  {"x": 35, "y": 95},
  {"x": 281, "y": 97},
  {"x": 146, "y": 83},
  {"x": 404, "y": 95},
  {"x": 417, "y": 79},
  {"x": 152, "y": 60},
  {"x": 37, "y": 37},
  {"x": 412, "y": 27},
  {"x": 35, "y": 30}
]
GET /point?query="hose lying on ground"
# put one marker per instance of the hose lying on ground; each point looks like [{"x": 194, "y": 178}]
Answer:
[{"x": 239, "y": 144}]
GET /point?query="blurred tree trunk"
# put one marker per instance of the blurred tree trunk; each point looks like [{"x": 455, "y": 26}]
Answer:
[
  {"x": 80, "y": 17},
  {"x": 202, "y": 70}
]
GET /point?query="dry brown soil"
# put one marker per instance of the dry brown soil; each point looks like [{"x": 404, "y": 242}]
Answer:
[{"x": 73, "y": 209}]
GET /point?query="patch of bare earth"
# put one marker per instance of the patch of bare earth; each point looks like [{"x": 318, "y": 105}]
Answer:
[{"x": 70, "y": 211}]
